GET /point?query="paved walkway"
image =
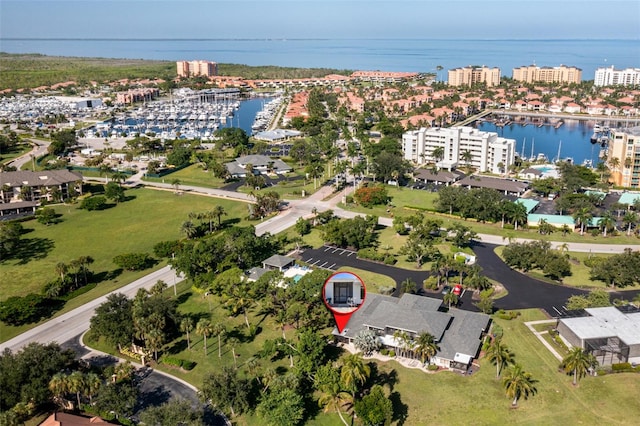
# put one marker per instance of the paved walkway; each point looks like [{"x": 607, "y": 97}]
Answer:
[{"x": 539, "y": 334}]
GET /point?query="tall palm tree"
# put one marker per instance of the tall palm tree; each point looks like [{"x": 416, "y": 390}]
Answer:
[
  {"x": 438, "y": 154},
  {"x": 577, "y": 362},
  {"x": 518, "y": 214},
  {"x": 186, "y": 325},
  {"x": 76, "y": 384},
  {"x": 92, "y": 383},
  {"x": 233, "y": 343},
  {"x": 402, "y": 338},
  {"x": 499, "y": 354},
  {"x": 219, "y": 331},
  {"x": 467, "y": 156},
  {"x": 118, "y": 177},
  {"x": 59, "y": 386},
  {"x": 607, "y": 222},
  {"x": 630, "y": 219},
  {"x": 205, "y": 329},
  {"x": 518, "y": 384},
  {"x": 62, "y": 269},
  {"x": 353, "y": 373},
  {"x": 218, "y": 212},
  {"x": 189, "y": 229},
  {"x": 450, "y": 299},
  {"x": 426, "y": 346},
  {"x": 583, "y": 216},
  {"x": 331, "y": 393}
]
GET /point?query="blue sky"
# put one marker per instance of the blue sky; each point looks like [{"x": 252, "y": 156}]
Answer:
[{"x": 488, "y": 19}]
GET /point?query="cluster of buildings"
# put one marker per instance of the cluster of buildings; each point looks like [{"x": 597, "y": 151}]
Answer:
[
  {"x": 140, "y": 94},
  {"x": 624, "y": 145},
  {"x": 469, "y": 76},
  {"x": 450, "y": 148},
  {"x": 196, "y": 68},
  {"x": 21, "y": 192}
]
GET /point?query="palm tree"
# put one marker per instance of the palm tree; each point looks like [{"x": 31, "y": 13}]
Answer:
[
  {"x": 205, "y": 329},
  {"x": 219, "y": 331},
  {"x": 59, "y": 386},
  {"x": 233, "y": 343},
  {"x": 607, "y": 222},
  {"x": 583, "y": 216},
  {"x": 176, "y": 184},
  {"x": 402, "y": 339},
  {"x": 518, "y": 214},
  {"x": 630, "y": 219},
  {"x": 438, "y": 154},
  {"x": 467, "y": 156},
  {"x": 331, "y": 394},
  {"x": 104, "y": 170},
  {"x": 186, "y": 325},
  {"x": 92, "y": 383},
  {"x": 578, "y": 362},
  {"x": 518, "y": 384},
  {"x": 189, "y": 229},
  {"x": 614, "y": 162},
  {"x": 119, "y": 177},
  {"x": 76, "y": 384},
  {"x": 450, "y": 299},
  {"x": 62, "y": 269},
  {"x": 426, "y": 346},
  {"x": 499, "y": 354},
  {"x": 218, "y": 212},
  {"x": 353, "y": 373}
]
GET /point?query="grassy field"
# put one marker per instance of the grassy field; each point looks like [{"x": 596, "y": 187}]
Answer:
[
  {"x": 15, "y": 152},
  {"x": 133, "y": 226},
  {"x": 193, "y": 175}
]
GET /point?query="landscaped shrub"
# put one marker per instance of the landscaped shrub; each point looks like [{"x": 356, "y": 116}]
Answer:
[
  {"x": 369, "y": 196},
  {"x": 432, "y": 367},
  {"x": 98, "y": 202},
  {"x": 391, "y": 353},
  {"x": 169, "y": 360},
  {"x": 188, "y": 365},
  {"x": 384, "y": 351},
  {"x": 390, "y": 260},
  {"x": 502, "y": 314},
  {"x": 133, "y": 261},
  {"x": 622, "y": 367},
  {"x": 167, "y": 248},
  {"x": 431, "y": 283},
  {"x": 370, "y": 253}
]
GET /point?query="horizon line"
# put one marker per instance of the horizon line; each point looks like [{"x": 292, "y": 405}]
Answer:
[{"x": 302, "y": 39}]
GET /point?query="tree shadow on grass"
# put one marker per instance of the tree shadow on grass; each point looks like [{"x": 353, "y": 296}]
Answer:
[
  {"x": 382, "y": 378},
  {"x": 181, "y": 345},
  {"x": 106, "y": 275},
  {"x": 400, "y": 409},
  {"x": 129, "y": 198},
  {"x": 229, "y": 222},
  {"x": 33, "y": 249},
  {"x": 182, "y": 298}
]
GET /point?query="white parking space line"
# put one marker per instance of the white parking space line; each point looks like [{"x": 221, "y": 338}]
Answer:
[
  {"x": 308, "y": 260},
  {"x": 322, "y": 266},
  {"x": 554, "y": 308},
  {"x": 331, "y": 267},
  {"x": 335, "y": 250},
  {"x": 350, "y": 253},
  {"x": 315, "y": 263},
  {"x": 327, "y": 249}
]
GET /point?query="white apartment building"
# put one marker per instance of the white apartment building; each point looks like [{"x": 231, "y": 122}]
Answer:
[
  {"x": 489, "y": 152},
  {"x": 612, "y": 77}
]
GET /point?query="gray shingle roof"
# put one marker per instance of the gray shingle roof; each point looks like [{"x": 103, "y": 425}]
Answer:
[
  {"x": 456, "y": 331},
  {"x": 493, "y": 183},
  {"x": 36, "y": 179},
  {"x": 278, "y": 261}
]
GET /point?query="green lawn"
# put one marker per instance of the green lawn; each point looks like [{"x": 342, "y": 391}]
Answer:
[
  {"x": 133, "y": 226},
  {"x": 15, "y": 152},
  {"x": 193, "y": 175}
]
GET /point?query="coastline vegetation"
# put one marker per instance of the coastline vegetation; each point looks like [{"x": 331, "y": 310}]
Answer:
[{"x": 25, "y": 71}]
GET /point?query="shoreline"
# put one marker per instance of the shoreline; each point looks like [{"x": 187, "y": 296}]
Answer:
[{"x": 565, "y": 115}]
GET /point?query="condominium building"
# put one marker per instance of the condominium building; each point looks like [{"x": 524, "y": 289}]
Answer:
[
  {"x": 624, "y": 145},
  {"x": 561, "y": 74},
  {"x": 468, "y": 76},
  {"x": 487, "y": 151},
  {"x": 613, "y": 77},
  {"x": 196, "y": 68}
]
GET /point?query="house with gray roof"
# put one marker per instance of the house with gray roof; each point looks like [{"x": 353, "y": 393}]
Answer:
[
  {"x": 279, "y": 262},
  {"x": 506, "y": 186},
  {"x": 458, "y": 333},
  {"x": 610, "y": 335},
  {"x": 22, "y": 191},
  {"x": 260, "y": 164},
  {"x": 437, "y": 177}
]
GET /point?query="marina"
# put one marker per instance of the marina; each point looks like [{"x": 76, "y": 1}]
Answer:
[{"x": 571, "y": 141}]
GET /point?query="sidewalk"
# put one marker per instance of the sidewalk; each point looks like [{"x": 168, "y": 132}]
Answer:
[{"x": 539, "y": 334}]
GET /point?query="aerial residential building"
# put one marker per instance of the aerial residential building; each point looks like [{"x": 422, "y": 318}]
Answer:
[
  {"x": 612, "y": 77},
  {"x": 468, "y": 76},
  {"x": 624, "y": 145},
  {"x": 561, "y": 74},
  {"x": 488, "y": 152},
  {"x": 196, "y": 68}
]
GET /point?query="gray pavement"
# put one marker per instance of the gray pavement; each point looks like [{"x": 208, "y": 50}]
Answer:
[{"x": 39, "y": 149}]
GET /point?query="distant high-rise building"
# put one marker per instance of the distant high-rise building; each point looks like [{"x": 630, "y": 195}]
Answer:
[
  {"x": 468, "y": 76},
  {"x": 612, "y": 77},
  {"x": 561, "y": 74},
  {"x": 196, "y": 68}
]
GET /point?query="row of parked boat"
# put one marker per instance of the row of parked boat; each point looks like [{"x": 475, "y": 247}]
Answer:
[{"x": 264, "y": 117}]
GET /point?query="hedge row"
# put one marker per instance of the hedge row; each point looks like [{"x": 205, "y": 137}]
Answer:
[{"x": 177, "y": 362}]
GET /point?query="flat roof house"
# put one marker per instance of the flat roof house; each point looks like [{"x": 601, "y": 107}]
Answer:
[
  {"x": 458, "y": 333},
  {"x": 610, "y": 335},
  {"x": 261, "y": 164}
]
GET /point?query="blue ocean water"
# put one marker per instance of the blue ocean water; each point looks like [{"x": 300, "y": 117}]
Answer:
[{"x": 416, "y": 55}]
